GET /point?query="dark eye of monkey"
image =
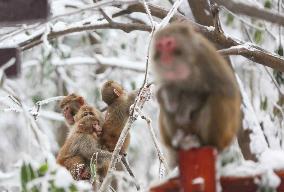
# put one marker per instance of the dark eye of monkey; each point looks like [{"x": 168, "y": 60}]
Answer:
[
  {"x": 88, "y": 113},
  {"x": 73, "y": 113},
  {"x": 157, "y": 55},
  {"x": 177, "y": 52}
]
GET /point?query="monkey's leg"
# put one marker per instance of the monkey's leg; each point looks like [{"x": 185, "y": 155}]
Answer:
[{"x": 77, "y": 167}]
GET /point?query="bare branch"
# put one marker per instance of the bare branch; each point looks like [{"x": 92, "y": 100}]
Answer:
[
  {"x": 258, "y": 54},
  {"x": 201, "y": 11},
  {"x": 114, "y": 25},
  {"x": 252, "y": 11}
]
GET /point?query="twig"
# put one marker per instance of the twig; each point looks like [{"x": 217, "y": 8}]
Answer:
[
  {"x": 35, "y": 111},
  {"x": 156, "y": 143}
]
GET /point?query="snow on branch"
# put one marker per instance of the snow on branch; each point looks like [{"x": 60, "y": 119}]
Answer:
[
  {"x": 252, "y": 11},
  {"x": 30, "y": 43},
  {"x": 113, "y": 62},
  {"x": 257, "y": 55}
]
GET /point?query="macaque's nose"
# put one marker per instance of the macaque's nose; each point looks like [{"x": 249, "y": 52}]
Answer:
[{"x": 166, "y": 44}]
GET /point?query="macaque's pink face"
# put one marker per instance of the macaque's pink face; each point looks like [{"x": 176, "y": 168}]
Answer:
[
  {"x": 90, "y": 124},
  {"x": 168, "y": 52},
  {"x": 69, "y": 115},
  {"x": 97, "y": 128}
]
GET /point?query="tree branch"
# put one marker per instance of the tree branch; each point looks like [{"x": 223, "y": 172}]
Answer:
[
  {"x": 257, "y": 55},
  {"x": 252, "y": 11},
  {"x": 114, "y": 25}
]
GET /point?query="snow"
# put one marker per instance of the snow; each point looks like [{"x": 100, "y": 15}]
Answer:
[
  {"x": 81, "y": 62},
  {"x": 63, "y": 178}
]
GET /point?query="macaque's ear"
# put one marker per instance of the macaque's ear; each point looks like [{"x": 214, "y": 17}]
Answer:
[
  {"x": 81, "y": 100},
  {"x": 116, "y": 92}
]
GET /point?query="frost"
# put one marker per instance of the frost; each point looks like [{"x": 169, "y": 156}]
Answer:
[
  {"x": 63, "y": 178},
  {"x": 270, "y": 179},
  {"x": 59, "y": 26},
  {"x": 258, "y": 144},
  {"x": 198, "y": 180},
  {"x": 211, "y": 28}
]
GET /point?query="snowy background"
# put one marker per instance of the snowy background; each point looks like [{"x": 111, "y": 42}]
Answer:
[{"x": 81, "y": 62}]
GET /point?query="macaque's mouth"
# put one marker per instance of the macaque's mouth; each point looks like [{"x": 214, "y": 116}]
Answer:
[
  {"x": 99, "y": 133},
  {"x": 177, "y": 73},
  {"x": 70, "y": 120}
]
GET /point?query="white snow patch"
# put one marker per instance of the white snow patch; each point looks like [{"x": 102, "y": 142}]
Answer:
[{"x": 63, "y": 178}]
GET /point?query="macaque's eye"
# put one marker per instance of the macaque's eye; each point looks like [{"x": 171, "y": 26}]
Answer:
[
  {"x": 157, "y": 55},
  {"x": 85, "y": 114},
  {"x": 72, "y": 113},
  {"x": 177, "y": 52}
]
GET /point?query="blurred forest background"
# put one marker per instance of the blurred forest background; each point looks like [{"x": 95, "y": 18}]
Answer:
[{"x": 80, "y": 47}]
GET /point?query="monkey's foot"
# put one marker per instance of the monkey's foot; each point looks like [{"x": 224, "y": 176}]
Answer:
[
  {"x": 80, "y": 172},
  {"x": 185, "y": 141}
]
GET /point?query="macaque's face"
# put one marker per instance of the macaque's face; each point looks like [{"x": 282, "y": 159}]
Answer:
[
  {"x": 90, "y": 124},
  {"x": 69, "y": 111},
  {"x": 173, "y": 55}
]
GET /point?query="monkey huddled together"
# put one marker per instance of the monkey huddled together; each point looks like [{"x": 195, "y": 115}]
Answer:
[
  {"x": 93, "y": 136},
  {"x": 199, "y": 103}
]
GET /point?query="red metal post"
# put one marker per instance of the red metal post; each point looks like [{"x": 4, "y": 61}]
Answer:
[{"x": 198, "y": 169}]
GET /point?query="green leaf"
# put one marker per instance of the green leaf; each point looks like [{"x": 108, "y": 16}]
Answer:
[
  {"x": 43, "y": 169},
  {"x": 268, "y": 4},
  {"x": 73, "y": 188},
  {"x": 27, "y": 175},
  {"x": 258, "y": 36},
  {"x": 264, "y": 104},
  {"x": 133, "y": 85},
  {"x": 230, "y": 19}
]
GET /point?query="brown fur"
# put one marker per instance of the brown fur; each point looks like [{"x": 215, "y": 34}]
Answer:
[
  {"x": 207, "y": 102},
  {"x": 117, "y": 114},
  {"x": 82, "y": 143},
  {"x": 70, "y": 105}
]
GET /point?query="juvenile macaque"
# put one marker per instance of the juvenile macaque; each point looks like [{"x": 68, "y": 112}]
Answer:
[
  {"x": 82, "y": 143},
  {"x": 70, "y": 105},
  {"x": 118, "y": 101},
  {"x": 198, "y": 92}
]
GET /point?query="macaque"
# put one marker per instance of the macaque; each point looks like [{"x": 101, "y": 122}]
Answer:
[
  {"x": 82, "y": 143},
  {"x": 198, "y": 93},
  {"x": 118, "y": 101},
  {"x": 70, "y": 105}
]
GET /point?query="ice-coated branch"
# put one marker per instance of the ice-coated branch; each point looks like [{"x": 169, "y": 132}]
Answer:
[
  {"x": 35, "y": 110},
  {"x": 156, "y": 143},
  {"x": 257, "y": 55},
  {"x": 55, "y": 34},
  {"x": 112, "y": 62},
  {"x": 252, "y": 11}
]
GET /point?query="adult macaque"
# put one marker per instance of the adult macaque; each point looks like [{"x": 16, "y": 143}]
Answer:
[
  {"x": 70, "y": 105},
  {"x": 198, "y": 95},
  {"x": 82, "y": 143},
  {"x": 117, "y": 114}
]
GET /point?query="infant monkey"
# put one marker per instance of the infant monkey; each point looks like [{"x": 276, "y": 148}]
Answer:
[{"x": 82, "y": 143}]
